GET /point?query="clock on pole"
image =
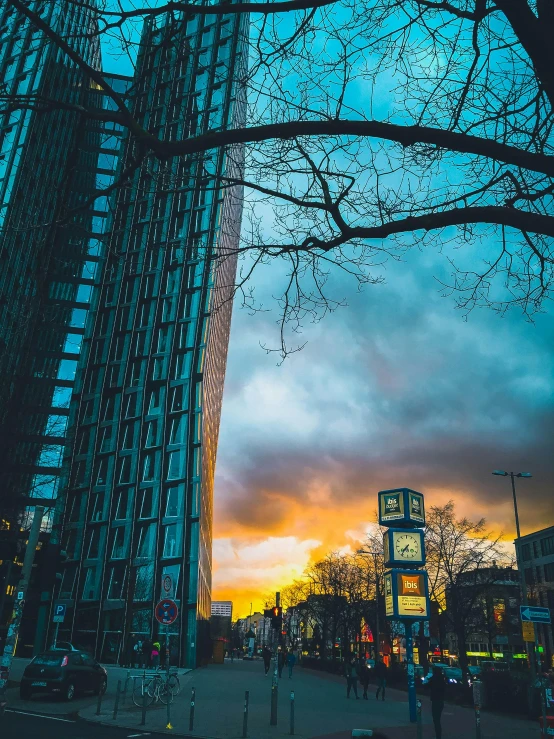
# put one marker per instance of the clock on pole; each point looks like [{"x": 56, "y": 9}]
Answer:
[{"x": 404, "y": 548}]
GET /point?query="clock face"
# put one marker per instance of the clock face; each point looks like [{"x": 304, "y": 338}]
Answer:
[{"x": 406, "y": 546}]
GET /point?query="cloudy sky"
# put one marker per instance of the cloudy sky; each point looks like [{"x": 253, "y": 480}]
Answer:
[{"x": 396, "y": 389}]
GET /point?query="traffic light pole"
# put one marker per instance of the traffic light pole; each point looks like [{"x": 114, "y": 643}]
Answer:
[
  {"x": 15, "y": 623},
  {"x": 275, "y": 677}
]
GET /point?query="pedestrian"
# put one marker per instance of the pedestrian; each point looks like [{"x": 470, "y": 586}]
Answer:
[
  {"x": 155, "y": 654},
  {"x": 351, "y": 672},
  {"x": 266, "y": 656},
  {"x": 146, "y": 653},
  {"x": 437, "y": 684},
  {"x": 137, "y": 656},
  {"x": 291, "y": 661},
  {"x": 364, "y": 673},
  {"x": 381, "y": 675}
]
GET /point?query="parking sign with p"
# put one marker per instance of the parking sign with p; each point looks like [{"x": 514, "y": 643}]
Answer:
[{"x": 59, "y": 613}]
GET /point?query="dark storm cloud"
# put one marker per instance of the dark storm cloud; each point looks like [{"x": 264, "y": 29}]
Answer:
[{"x": 396, "y": 389}]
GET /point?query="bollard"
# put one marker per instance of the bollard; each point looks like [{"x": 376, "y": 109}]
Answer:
[
  {"x": 477, "y": 701},
  {"x": 418, "y": 718},
  {"x": 245, "y": 716},
  {"x": 274, "y": 697},
  {"x": 292, "y": 712},
  {"x": 143, "y": 717},
  {"x": 169, "y": 699},
  {"x": 116, "y": 704},
  {"x": 99, "y": 703},
  {"x": 192, "y": 702}
]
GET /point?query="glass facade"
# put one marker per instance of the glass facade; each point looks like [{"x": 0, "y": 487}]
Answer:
[
  {"x": 145, "y": 411},
  {"x": 50, "y": 162}
]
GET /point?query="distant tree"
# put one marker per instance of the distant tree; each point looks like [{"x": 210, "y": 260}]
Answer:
[{"x": 462, "y": 559}]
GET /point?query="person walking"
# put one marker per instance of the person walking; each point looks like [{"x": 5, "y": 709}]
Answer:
[
  {"x": 155, "y": 654},
  {"x": 266, "y": 656},
  {"x": 381, "y": 675},
  {"x": 291, "y": 661},
  {"x": 352, "y": 678},
  {"x": 280, "y": 661},
  {"x": 437, "y": 685},
  {"x": 364, "y": 673},
  {"x": 137, "y": 656}
]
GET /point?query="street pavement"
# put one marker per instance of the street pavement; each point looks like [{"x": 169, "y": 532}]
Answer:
[
  {"x": 322, "y": 710},
  {"x": 17, "y": 725}
]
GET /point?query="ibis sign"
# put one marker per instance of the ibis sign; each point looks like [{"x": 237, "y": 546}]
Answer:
[{"x": 406, "y": 594}]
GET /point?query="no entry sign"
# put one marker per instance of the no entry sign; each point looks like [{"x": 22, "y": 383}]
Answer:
[{"x": 166, "y": 611}]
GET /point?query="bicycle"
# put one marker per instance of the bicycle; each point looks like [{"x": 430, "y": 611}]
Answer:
[{"x": 153, "y": 688}]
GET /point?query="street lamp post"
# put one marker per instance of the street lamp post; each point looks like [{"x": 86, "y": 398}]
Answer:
[
  {"x": 522, "y": 583},
  {"x": 376, "y": 641}
]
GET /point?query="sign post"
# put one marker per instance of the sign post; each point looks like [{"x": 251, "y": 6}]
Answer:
[
  {"x": 58, "y": 618},
  {"x": 166, "y": 613},
  {"x": 406, "y": 590}
]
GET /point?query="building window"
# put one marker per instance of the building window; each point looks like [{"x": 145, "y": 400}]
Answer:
[
  {"x": 151, "y": 433},
  {"x": 122, "y": 504},
  {"x": 105, "y": 440},
  {"x": 146, "y": 541},
  {"x": 529, "y": 579},
  {"x": 124, "y": 469},
  {"x": 128, "y": 436},
  {"x": 116, "y": 579},
  {"x": 98, "y": 507},
  {"x": 101, "y": 472},
  {"x": 526, "y": 552},
  {"x": 176, "y": 464},
  {"x": 549, "y": 572},
  {"x": 68, "y": 582},
  {"x": 173, "y": 540},
  {"x": 93, "y": 544},
  {"x": 146, "y": 503},
  {"x": 156, "y": 401},
  {"x": 144, "y": 584},
  {"x": 149, "y": 467},
  {"x": 119, "y": 550},
  {"x": 178, "y": 429},
  {"x": 536, "y": 550},
  {"x": 547, "y": 546},
  {"x": 174, "y": 501},
  {"x": 90, "y": 584},
  {"x": 177, "y": 395}
]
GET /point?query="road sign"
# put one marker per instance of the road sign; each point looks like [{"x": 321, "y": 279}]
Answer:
[
  {"x": 167, "y": 584},
  {"x": 528, "y": 631},
  {"x": 166, "y": 611},
  {"x": 59, "y": 613},
  {"x": 535, "y": 613}
]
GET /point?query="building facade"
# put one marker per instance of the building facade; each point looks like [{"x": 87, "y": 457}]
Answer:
[
  {"x": 535, "y": 556},
  {"x": 145, "y": 412},
  {"x": 222, "y": 608},
  {"x": 51, "y": 161},
  {"x": 492, "y": 597}
]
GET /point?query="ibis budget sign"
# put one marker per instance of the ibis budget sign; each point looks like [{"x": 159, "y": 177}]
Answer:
[
  {"x": 401, "y": 507},
  {"x": 406, "y": 594}
]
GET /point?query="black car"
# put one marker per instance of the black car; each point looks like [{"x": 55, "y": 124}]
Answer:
[{"x": 64, "y": 673}]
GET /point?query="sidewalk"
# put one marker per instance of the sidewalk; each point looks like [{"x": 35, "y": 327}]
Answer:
[{"x": 322, "y": 710}]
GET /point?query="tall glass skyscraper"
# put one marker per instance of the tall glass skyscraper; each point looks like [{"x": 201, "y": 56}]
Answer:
[
  {"x": 51, "y": 161},
  {"x": 145, "y": 412}
]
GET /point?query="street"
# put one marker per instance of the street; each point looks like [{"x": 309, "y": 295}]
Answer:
[{"x": 17, "y": 725}]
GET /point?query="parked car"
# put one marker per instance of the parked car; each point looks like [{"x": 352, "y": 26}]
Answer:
[{"x": 64, "y": 673}]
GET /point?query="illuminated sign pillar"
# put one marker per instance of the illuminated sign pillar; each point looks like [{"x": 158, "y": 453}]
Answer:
[{"x": 406, "y": 586}]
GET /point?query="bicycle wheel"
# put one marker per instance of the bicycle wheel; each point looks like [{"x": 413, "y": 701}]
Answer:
[
  {"x": 165, "y": 694},
  {"x": 141, "y": 696},
  {"x": 173, "y": 684},
  {"x": 151, "y": 686}
]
